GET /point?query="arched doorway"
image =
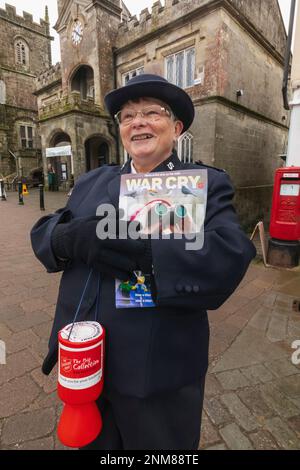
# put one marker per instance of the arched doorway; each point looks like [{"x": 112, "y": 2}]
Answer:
[
  {"x": 82, "y": 81},
  {"x": 96, "y": 153},
  {"x": 60, "y": 139},
  {"x": 59, "y": 161}
]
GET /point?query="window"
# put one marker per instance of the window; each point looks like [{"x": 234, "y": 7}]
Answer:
[
  {"x": 133, "y": 73},
  {"x": 26, "y": 134},
  {"x": 185, "y": 147},
  {"x": 21, "y": 50},
  {"x": 180, "y": 68},
  {"x": 2, "y": 92}
]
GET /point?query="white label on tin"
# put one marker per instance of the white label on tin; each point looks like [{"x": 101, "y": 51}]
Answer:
[
  {"x": 290, "y": 175},
  {"x": 80, "y": 384},
  {"x": 80, "y": 368}
]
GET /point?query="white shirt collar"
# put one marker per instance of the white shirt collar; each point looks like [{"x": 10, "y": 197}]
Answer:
[{"x": 133, "y": 170}]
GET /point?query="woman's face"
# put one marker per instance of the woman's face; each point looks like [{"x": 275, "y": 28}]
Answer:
[{"x": 149, "y": 142}]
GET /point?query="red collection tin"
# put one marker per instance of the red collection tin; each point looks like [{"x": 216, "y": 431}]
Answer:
[{"x": 80, "y": 382}]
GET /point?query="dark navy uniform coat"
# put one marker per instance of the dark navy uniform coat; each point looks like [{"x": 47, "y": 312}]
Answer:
[{"x": 150, "y": 350}]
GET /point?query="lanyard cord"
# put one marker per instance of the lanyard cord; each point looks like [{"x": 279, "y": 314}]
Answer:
[
  {"x": 81, "y": 300},
  {"x": 97, "y": 310}
]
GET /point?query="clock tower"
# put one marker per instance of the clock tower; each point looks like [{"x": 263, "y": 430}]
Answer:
[
  {"x": 71, "y": 94},
  {"x": 87, "y": 31}
]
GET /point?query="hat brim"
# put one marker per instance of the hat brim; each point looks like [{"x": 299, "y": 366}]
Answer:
[{"x": 178, "y": 100}]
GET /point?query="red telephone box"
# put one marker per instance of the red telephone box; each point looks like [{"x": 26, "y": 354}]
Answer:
[{"x": 285, "y": 214}]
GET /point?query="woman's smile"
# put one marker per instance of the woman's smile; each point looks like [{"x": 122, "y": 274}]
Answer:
[{"x": 148, "y": 141}]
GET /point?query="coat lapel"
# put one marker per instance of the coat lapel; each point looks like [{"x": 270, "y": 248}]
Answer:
[{"x": 113, "y": 187}]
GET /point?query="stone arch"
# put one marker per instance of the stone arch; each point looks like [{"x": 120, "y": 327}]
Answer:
[
  {"x": 59, "y": 166},
  {"x": 81, "y": 80},
  {"x": 58, "y": 138},
  {"x": 97, "y": 151}
]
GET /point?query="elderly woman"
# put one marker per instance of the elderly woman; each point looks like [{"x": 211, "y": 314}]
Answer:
[{"x": 156, "y": 357}]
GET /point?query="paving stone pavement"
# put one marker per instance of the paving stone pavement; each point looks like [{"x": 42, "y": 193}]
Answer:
[{"x": 252, "y": 390}]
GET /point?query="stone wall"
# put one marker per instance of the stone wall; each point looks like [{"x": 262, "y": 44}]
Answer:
[
  {"x": 30, "y": 158},
  {"x": 19, "y": 80},
  {"x": 36, "y": 36},
  {"x": 247, "y": 66},
  {"x": 204, "y": 130},
  {"x": 252, "y": 205},
  {"x": 266, "y": 18},
  {"x": 248, "y": 148}
]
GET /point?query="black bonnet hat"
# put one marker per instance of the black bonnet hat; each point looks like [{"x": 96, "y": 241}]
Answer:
[{"x": 153, "y": 86}]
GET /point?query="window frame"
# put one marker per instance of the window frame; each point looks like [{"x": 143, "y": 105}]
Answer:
[
  {"x": 25, "y": 139},
  {"x": 21, "y": 53},
  {"x": 184, "y": 141},
  {"x": 132, "y": 73},
  {"x": 184, "y": 71}
]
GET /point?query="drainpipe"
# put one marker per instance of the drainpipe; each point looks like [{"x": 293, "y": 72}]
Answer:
[
  {"x": 17, "y": 163},
  {"x": 116, "y": 134},
  {"x": 288, "y": 56},
  {"x": 293, "y": 154}
]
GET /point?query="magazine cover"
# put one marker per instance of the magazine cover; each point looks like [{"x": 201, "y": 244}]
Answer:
[{"x": 166, "y": 203}]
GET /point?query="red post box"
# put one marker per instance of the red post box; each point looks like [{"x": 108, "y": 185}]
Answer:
[
  {"x": 285, "y": 215},
  {"x": 284, "y": 245}
]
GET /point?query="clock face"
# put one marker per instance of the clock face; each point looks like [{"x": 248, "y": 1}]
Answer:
[{"x": 77, "y": 32}]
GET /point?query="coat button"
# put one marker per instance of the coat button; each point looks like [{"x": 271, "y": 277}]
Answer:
[
  {"x": 179, "y": 288},
  {"x": 188, "y": 289},
  {"x": 196, "y": 289}
]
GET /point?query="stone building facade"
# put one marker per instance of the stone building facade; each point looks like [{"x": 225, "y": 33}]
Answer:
[
  {"x": 227, "y": 54},
  {"x": 24, "y": 52}
]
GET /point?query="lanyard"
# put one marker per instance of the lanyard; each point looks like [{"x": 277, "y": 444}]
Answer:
[{"x": 82, "y": 297}]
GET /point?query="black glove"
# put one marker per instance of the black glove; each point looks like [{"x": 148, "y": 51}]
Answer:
[{"x": 77, "y": 240}]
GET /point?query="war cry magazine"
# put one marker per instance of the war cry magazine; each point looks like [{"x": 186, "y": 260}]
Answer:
[{"x": 165, "y": 204}]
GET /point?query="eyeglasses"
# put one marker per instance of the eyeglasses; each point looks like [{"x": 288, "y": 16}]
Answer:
[{"x": 151, "y": 113}]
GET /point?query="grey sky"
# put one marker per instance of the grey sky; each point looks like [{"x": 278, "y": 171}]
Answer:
[{"x": 37, "y": 9}]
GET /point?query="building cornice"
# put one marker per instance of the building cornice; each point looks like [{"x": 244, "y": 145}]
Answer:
[
  {"x": 59, "y": 115},
  {"x": 20, "y": 108},
  {"x": 199, "y": 12},
  {"x": 239, "y": 108},
  {"x": 39, "y": 91},
  {"x": 20, "y": 72}
]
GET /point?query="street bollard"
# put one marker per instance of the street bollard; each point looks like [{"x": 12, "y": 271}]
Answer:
[
  {"x": 42, "y": 201},
  {"x": 20, "y": 190},
  {"x": 3, "y": 195}
]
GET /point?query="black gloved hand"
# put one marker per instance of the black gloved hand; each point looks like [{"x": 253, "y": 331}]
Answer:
[{"x": 77, "y": 240}]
